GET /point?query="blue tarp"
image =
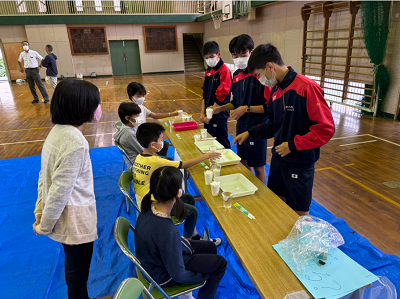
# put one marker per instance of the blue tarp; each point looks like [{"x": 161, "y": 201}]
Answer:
[{"x": 33, "y": 267}]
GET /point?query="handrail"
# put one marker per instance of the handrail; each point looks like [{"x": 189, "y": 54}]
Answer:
[{"x": 99, "y": 7}]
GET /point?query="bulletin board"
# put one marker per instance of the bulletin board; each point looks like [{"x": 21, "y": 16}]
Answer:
[
  {"x": 88, "y": 40},
  {"x": 160, "y": 39}
]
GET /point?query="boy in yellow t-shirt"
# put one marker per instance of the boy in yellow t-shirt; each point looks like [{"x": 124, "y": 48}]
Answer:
[{"x": 151, "y": 138}]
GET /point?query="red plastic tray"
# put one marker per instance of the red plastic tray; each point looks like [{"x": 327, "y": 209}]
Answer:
[{"x": 189, "y": 125}]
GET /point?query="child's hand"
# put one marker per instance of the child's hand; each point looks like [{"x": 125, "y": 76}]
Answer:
[
  {"x": 202, "y": 119},
  {"x": 175, "y": 113},
  {"x": 214, "y": 155},
  {"x": 241, "y": 138},
  {"x": 206, "y": 120},
  {"x": 237, "y": 113},
  {"x": 216, "y": 110},
  {"x": 283, "y": 149}
]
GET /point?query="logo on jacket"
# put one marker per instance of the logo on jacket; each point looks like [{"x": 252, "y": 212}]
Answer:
[
  {"x": 289, "y": 108},
  {"x": 273, "y": 98},
  {"x": 208, "y": 74},
  {"x": 295, "y": 176}
]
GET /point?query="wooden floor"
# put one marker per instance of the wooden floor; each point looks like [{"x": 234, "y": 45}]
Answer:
[{"x": 364, "y": 153}]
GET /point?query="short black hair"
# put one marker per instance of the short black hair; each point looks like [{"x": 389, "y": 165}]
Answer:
[
  {"x": 49, "y": 47},
  {"x": 74, "y": 102},
  {"x": 149, "y": 132},
  {"x": 128, "y": 109},
  {"x": 262, "y": 55},
  {"x": 210, "y": 48},
  {"x": 240, "y": 44},
  {"x": 135, "y": 87},
  {"x": 24, "y": 41}
]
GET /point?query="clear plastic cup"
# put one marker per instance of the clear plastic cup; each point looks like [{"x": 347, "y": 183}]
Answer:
[
  {"x": 208, "y": 176},
  {"x": 215, "y": 186},
  {"x": 227, "y": 197},
  {"x": 180, "y": 113},
  {"x": 197, "y": 137},
  {"x": 203, "y": 133},
  {"x": 212, "y": 149},
  {"x": 216, "y": 170},
  {"x": 171, "y": 122}
]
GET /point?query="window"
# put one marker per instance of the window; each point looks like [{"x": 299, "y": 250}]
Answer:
[
  {"x": 79, "y": 5},
  {"x": 42, "y": 6},
  {"x": 21, "y": 6},
  {"x": 117, "y": 5},
  {"x": 98, "y": 5}
]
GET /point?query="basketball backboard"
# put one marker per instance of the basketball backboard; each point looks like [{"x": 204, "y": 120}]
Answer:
[{"x": 227, "y": 10}]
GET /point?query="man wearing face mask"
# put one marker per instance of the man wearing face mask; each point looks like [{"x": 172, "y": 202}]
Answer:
[
  {"x": 216, "y": 92},
  {"x": 300, "y": 122},
  {"x": 247, "y": 106},
  {"x": 32, "y": 68}
]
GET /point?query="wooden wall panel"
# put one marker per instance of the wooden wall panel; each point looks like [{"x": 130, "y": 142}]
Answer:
[{"x": 11, "y": 54}]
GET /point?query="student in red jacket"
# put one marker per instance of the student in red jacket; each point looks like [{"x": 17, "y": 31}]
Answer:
[{"x": 300, "y": 121}]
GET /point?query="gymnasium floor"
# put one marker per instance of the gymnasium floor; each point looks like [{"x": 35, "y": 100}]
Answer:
[{"x": 363, "y": 154}]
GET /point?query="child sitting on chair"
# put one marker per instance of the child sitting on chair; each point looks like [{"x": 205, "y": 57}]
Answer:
[
  {"x": 136, "y": 93},
  {"x": 150, "y": 137},
  {"x": 167, "y": 257}
]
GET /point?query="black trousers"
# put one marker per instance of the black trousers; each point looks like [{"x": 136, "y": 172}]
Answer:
[
  {"x": 77, "y": 264},
  {"x": 32, "y": 76},
  {"x": 205, "y": 260}
]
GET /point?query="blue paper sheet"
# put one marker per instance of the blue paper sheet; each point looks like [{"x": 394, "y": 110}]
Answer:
[{"x": 338, "y": 277}]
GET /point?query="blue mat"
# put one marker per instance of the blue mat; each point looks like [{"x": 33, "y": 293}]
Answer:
[{"x": 33, "y": 267}]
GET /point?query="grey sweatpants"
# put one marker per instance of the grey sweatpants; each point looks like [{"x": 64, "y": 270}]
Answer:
[{"x": 32, "y": 76}]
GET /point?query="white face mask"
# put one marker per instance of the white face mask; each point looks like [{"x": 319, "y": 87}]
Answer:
[
  {"x": 138, "y": 101},
  {"x": 269, "y": 83},
  {"x": 137, "y": 122},
  {"x": 212, "y": 61},
  {"x": 241, "y": 62},
  {"x": 162, "y": 145},
  {"x": 26, "y": 48}
]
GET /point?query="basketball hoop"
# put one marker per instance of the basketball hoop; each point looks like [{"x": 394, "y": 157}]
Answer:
[{"x": 217, "y": 18}]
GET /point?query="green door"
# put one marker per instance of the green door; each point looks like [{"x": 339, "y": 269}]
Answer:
[{"x": 125, "y": 57}]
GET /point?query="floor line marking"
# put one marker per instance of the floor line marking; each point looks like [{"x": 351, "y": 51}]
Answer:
[
  {"x": 23, "y": 93},
  {"x": 358, "y": 142},
  {"x": 344, "y": 137},
  {"x": 362, "y": 185},
  {"x": 383, "y": 139},
  {"x": 186, "y": 88},
  {"x": 198, "y": 76},
  {"x": 351, "y": 164}
]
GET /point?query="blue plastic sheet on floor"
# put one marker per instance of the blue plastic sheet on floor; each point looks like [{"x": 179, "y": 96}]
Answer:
[{"x": 33, "y": 266}]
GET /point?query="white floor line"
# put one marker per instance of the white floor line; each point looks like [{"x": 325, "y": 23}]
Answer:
[
  {"x": 344, "y": 137},
  {"x": 358, "y": 142},
  {"x": 198, "y": 76},
  {"x": 383, "y": 139}
]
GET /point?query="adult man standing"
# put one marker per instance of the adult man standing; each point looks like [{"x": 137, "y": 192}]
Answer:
[
  {"x": 32, "y": 68},
  {"x": 50, "y": 63}
]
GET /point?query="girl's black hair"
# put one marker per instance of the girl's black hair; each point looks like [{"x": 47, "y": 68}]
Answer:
[
  {"x": 135, "y": 87},
  {"x": 74, "y": 102},
  {"x": 165, "y": 183}
]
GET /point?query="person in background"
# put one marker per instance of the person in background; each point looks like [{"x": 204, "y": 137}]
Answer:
[
  {"x": 300, "y": 121},
  {"x": 32, "y": 68},
  {"x": 247, "y": 106},
  {"x": 216, "y": 92},
  {"x": 66, "y": 206},
  {"x": 167, "y": 257},
  {"x": 137, "y": 92},
  {"x": 49, "y": 62},
  {"x": 150, "y": 137}
]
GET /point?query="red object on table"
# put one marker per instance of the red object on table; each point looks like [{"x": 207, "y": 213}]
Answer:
[{"x": 189, "y": 125}]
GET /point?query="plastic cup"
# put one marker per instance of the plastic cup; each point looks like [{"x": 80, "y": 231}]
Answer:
[
  {"x": 209, "y": 112},
  {"x": 171, "y": 122},
  {"x": 215, "y": 188},
  {"x": 180, "y": 113},
  {"x": 227, "y": 197},
  {"x": 213, "y": 162},
  {"x": 208, "y": 176},
  {"x": 203, "y": 133},
  {"x": 212, "y": 149},
  {"x": 189, "y": 118},
  {"x": 216, "y": 170},
  {"x": 197, "y": 137},
  {"x": 184, "y": 118}
]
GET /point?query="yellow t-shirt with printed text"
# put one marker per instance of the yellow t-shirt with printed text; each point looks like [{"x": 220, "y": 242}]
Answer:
[{"x": 142, "y": 169}]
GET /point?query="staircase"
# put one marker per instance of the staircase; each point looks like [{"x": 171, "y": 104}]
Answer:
[{"x": 193, "y": 59}]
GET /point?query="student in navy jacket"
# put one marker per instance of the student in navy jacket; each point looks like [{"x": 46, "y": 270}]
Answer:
[
  {"x": 216, "y": 92},
  {"x": 50, "y": 63},
  {"x": 168, "y": 258},
  {"x": 247, "y": 106},
  {"x": 300, "y": 122}
]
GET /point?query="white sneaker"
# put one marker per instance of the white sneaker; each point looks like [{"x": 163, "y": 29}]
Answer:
[
  {"x": 206, "y": 237},
  {"x": 186, "y": 296}
]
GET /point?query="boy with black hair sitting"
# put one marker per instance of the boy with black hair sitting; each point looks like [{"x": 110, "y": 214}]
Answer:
[
  {"x": 247, "y": 106},
  {"x": 137, "y": 92},
  {"x": 216, "y": 92},
  {"x": 300, "y": 121},
  {"x": 151, "y": 138}
]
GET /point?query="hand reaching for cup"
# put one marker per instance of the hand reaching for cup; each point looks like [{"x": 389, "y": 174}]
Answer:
[{"x": 214, "y": 155}]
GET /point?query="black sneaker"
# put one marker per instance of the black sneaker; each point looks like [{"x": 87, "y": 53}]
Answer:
[
  {"x": 46, "y": 101},
  {"x": 35, "y": 101}
]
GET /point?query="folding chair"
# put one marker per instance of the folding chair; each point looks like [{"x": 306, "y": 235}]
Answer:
[
  {"x": 124, "y": 183},
  {"x": 131, "y": 288},
  {"x": 121, "y": 230},
  {"x": 127, "y": 161},
  {"x": 118, "y": 125}
]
